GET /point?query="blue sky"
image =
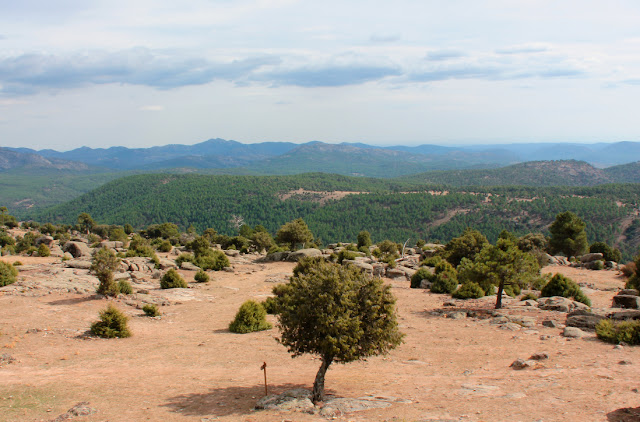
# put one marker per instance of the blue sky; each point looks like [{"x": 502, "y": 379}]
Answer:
[{"x": 105, "y": 73}]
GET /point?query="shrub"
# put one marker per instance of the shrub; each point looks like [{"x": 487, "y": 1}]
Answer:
[
  {"x": 597, "y": 265},
  {"x": 250, "y": 317},
  {"x": 17, "y": 263},
  {"x": 422, "y": 274},
  {"x": 622, "y": 332},
  {"x": 629, "y": 269},
  {"x": 364, "y": 239},
  {"x": 444, "y": 282},
  {"x": 213, "y": 260},
  {"x": 165, "y": 246},
  {"x": 609, "y": 253},
  {"x": 103, "y": 264},
  {"x": 560, "y": 285},
  {"x": 529, "y": 296},
  {"x": 113, "y": 323},
  {"x": 172, "y": 280},
  {"x": 184, "y": 257},
  {"x": 201, "y": 277},
  {"x": 124, "y": 287},
  {"x": 151, "y": 310},
  {"x": 8, "y": 274},
  {"x": 269, "y": 305},
  {"x": 469, "y": 290},
  {"x": 345, "y": 254},
  {"x": 43, "y": 250}
]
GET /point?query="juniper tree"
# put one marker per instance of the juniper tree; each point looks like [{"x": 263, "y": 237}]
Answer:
[{"x": 338, "y": 313}]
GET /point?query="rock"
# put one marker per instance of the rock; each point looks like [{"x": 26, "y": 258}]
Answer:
[
  {"x": 297, "y": 399},
  {"x": 378, "y": 270},
  {"x": 165, "y": 263},
  {"x": 624, "y": 315},
  {"x": 539, "y": 356},
  {"x": 626, "y": 302},
  {"x": 189, "y": 266},
  {"x": 303, "y": 253},
  {"x": 80, "y": 409},
  {"x": 629, "y": 292},
  {"x": 549, "y": 323},
  {"x": 363, "y": 266},
  {"x": 274, "y": 257},
  {"x": 78, "y": 263},
  {"x": 396, "y": 273},
  {"x": 138, "y": 263},
  {"x": 560, "y": 304},
  {"x": 458, "y": 315},
  {"x": 519, "y": 364},
  {"x": 47, "y": 240},
  {"x": 340, "y": 406},
  {"x": 510, "y": 326},
  {"x": 583, "y": 320},
  {"x": 232, "y": 253},
  {"x": 425, "y": 284},
  {"x": 77, "y": 249},
  {"x": 57, "y": 251},
  {"x": 527, "y": 322},
  {"x": 573, "y": 332},
  {"x": 590, "y": 257},
  {"x": 67, "y": 255}
]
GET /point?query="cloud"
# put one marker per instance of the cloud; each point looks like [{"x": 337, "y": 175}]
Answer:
[
  {"x": 380, "y": 38},
  {"x": 631, "y": 81},
  {"x": 29, "y": 73},
  {"x": 441, "y": 55},
  {"x": 152, "y": 108},
  {"x": 523, "y": 49},
  {"x": 331, "y": 76}
]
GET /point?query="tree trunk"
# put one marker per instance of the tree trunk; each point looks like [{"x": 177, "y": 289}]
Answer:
[
  {"x": 499, "y": 299},
  {"x": 318, "y": 385}
]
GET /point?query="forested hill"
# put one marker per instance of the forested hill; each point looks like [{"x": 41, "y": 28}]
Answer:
[
  {"x": 534, "y": 173},
  {"x": 336, "y": 207}
]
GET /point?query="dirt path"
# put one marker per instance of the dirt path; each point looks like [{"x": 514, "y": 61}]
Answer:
[{"x": 186, "y": 366}]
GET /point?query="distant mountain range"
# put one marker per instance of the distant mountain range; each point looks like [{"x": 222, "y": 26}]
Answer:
[{"x": 222, "y": 156}]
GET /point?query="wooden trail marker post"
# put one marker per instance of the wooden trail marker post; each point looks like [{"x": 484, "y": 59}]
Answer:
[{"x": 264, "y": 368}]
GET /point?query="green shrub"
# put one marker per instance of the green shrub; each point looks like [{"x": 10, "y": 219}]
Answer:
[
  {"x": 8, "y": 274},
  {"x": 444, "y": 282},
  {"x": 201, "y": 277},
  {"x": 422, "y": 274},
  {"x": 17, "y": 263},
  {"x": 214, "y": 260},
  {"x": 609, "y": 253},
  {"x": 432, "y": 261},
  {"x": 184, "y": 257},
  {"x": 597, "y": 265},
  {"x": 345, "y": 254},
  {"x": 103, "y": 264},
  {"x": 43, "y": 250},
  {"x": 172, "y": 280},
  {"x": 165, "y": 246},
  {"x": 113, "y": 323},
  {"x": 124, "y": 287},
  {"x": 250, "y": 317},
  {"x": 529, "y": 296},
  {"x": 622, "y": 332},
  {"x": 364, "y": 239},
  {"x": 269, "y": 305},
  {"x": 560, "y": 285},
  {"x": 151, "y": 310},
  {"x": 469, "y": 290}
]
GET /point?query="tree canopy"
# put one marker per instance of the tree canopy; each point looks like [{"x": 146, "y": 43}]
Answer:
[{"x": 568, "y": 235}]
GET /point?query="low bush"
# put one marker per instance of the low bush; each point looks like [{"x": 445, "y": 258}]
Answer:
[
  {"x": 529, "y": 296},
  {"x": 124, "y": 287},
  {"x": 165, "y": 246},
  {"x": 113, "y": 323},
  {"x": 269, "y": 305},
  {"x": 422, "y": 274},
  {"x": 201, "y": 277},
  {"x": 597, "y": 265},
  {"x": 346, "y": 254},
  {"x": 172, "y": 280},
  {"x": 469, "y": 290},
  {"x": 560, "y": 285},
  {"x": 629, "y": 269},
  {"x": 151, "y": 310},
  {"x": 250, "y": 317},
  {"x": 8, "y": 274},
  {"x": 43, "y": 250},
  {"x": 444, "y": 281},
  {"x": 622, "y": 332},
  {"x": 214, "y": 260}
]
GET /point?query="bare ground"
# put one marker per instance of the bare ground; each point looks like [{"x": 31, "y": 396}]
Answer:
[{"x": 186, "y": 365}]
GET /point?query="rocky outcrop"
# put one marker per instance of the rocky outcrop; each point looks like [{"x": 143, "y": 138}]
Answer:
[
  {"x": 560, "y": 304},
  {"x": 584, "y": 320},
  {"x": 77, "y": 249},
  {"x": 304, "y": 253}
]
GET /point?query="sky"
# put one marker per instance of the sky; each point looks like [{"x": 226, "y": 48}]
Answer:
[{"x": 154, "y": 72}]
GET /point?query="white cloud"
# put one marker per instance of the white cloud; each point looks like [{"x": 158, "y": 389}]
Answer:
[{"x": 152, "y": 108}]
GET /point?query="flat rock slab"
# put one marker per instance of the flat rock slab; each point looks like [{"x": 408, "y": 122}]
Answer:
[{"x": 340, "y": 406}]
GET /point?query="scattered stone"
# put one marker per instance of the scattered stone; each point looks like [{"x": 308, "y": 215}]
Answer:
[
  {"x": 274, "y": 257},
  {"x": 396, "y": 273},
  {"x": 165, "y": 264},
  {"x": 549, "y": 323},
  {"x": 519, "y": 364},
  {"x": 539, "y": 356},
  {"x": 480, "y": 390},
  {"x": 80, "y": 409},
  {"x": 573, "y": 332},
  {"x": 232, "y": 253},
  {"x": 624, "y": 315}
]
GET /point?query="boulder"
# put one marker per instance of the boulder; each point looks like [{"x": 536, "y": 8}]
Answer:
[
  {"x": 303, "y": 253},
  {"x": 378, "y": 270},
  {"x": 626, "y": 302},
  {"x": 138, "y": 263},
  {"x": 275, "y": 257},
  {"x": 77, "y": 249},
  {"x": 583, "y": 320},
  {"x": 81, "y": 264},
  {"x": 363, "y": 266},
  {"x": 56, "y": 251},
  {"x": 590, "y": 257},
  {"x": 630, "y": 292},
  {"x": 47, "y": 240},
  {"x": 110, "y": 244},
  {"x": 189, "y": 266},
  {"x": 396, "y": 273},
  {"x": 625, "y": 315},
  {"x": 559, "y": 304},
  {"x": 573, "y": 332},
  {"x": 165, "y": 264},
  {"x": 231, "y": 252},
  {"x": 293, "y": 400}
]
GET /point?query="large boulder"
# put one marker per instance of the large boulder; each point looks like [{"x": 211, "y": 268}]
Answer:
[
  {"x": 560, "y": 304},
  {"x": 363, "y": 266},
  {"x": 590, "y": 257},
  {"x": 584, "y": 320},
  {"x": 47, "y": 240},
  {"x": 81, "y": 264},
  {"x": 275, "y": 257},
  {"x": 303, "y": 253},
  {"x": 138, "y": 264},
  {"x": 626, "y": 301},
  {"x": 77, "y": 249},
  {"x": 189, "y": 266},
  {"x": 111, "y": 244}
]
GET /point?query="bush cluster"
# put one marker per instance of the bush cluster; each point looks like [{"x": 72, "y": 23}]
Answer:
[
  {"x": 8, "y": 274},
  {"x": 560, "y": 285},
  {"x": 172, "y": 280},
  {"x": 623, "y": 332},
  {"x": 469, "y": 290},
  {"x": 250, "y": 317},
  {"x": 151, "y": 310},
  {"x": 112, "y": 323},
  {"x": 201, "y": 277}
]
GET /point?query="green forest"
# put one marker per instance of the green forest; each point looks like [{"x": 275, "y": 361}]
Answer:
[{"x": 389, "y": 209}]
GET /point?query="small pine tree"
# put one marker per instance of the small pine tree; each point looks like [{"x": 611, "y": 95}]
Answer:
[
  {"x": 201, "y": 277},
  {"x": 560, "y": 285},
  {"x": 151, "y": 310},
  {"x": 103, "y": 264},
  {"x": 469, "y": 290},
  {"x": 43, "y": 250},
  {"x": 172, "y": 280},
  {"x": 250, "y": 317},
  {"x": 8, "y": 274},
  {"x": 113, "y": 323}
]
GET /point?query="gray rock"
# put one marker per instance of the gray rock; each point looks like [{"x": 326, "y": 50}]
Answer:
[
  {"x": 519, "y": 364},
  {"x": 396, "y": 273},
  {"x": 625, "y": 315},
  {"x": 629, "y": 292},
  {"x": 275, "y": 257},
  {"x": 510, "y": 326},
  {"x": 560, "y": 304},
  {"x": 165, "y": 263},
  {"x": 111, "y": 244},
  {"x": 363, "y": 266},
  {"x": 626, "y": 301},
  {"x": 590, "y": 257},
  {"x": 573, "y": 332},
  {"x": 549, "y": 323},
  {"x": 189, "y": 266},
  {"x": 340, "y": 406},
  {"x": 304, "y": 253},
  {"x": 297, "y": 399},
  {"x": 539, "y": 356},
  {"x": 78, "y": 263},
  {"x": 77, "y": 249},
  {"x": 231, "y": 252},
  {"x": 425, "y": 284},
  {"x": 378, "y": 270},
  {"x": 47, "y": 240},
  {"x": 583, "y": 320},
  {"x": 458, "y": 315}
]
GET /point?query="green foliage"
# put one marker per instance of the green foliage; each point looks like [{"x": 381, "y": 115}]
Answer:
[
  {"x": 8, "y": 274},
  {"x": 466, "y": 246},
  {"x": 633, "y": 269},
  {"x": 84, "y": 222},
  {"x": 598, "y": 265},
  {"x": 338, "y": 313},
  {"x": 270, "y": 305},
  {"x": 26, "y": 243},
  {"x": 112, "y": 323},
  {"x": 165, "y": 246},
  {"x": 568, "y": 235},
  {"x": 151, "y": 310},
  {"x": 140, "y": 246},
  {"x": 444, "y": 281},
  {"x": 185, "y": 257},
  {"x": 164, "y": 231},
  {"x": 201, "y": 277},
  {"x": 43, "y": 250},
  {"x": 622, "y": 332},
  {"x": 559, "y": 285},
  {"x": 364, "y": 239},
  {"x": 533, "y": 242},
  {"x": 345, "y": 254},
  {"x": 529, "y": 296},
  {"x": 609, "y": 253},
  {"x": 200, "y": 246},
  {"x": 469, "y": 290},
  {"x": 128, "y": 229},
  {"x": 172, "y": 280},
  {"x": 249, "y": 318},
  {"x": 124, "y": 287},
  {"x": 262, "y": 240},
  {"x": 213, "y": 260},
  {"x": 293, "y": 233},
  {"x": 103, "y": 264},
  {"x": 422, "y": 274},
  {"x": 6, "y": 240}
]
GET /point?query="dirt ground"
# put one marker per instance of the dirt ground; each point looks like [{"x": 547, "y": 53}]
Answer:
[{"x": 186, "y": 365}]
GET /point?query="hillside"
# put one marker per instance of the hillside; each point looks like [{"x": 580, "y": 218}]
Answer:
[
  {"x": 624, "y": 173},
  {"x": 10, "y": 159},
  {"x": 532, "y": 173},
  {"x": 387, "y": 208}
]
